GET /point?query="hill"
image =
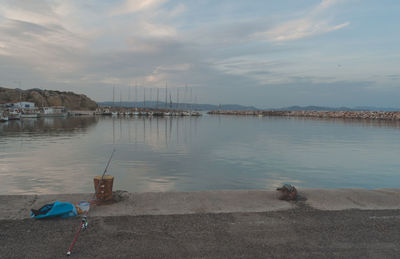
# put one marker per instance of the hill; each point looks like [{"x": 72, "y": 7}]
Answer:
[{"x": 41, "y": 97}]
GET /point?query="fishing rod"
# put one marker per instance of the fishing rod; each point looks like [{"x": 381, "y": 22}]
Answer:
[{"x": 84, "y": 223}]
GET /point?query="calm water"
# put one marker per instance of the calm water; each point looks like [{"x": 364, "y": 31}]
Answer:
[{"x": 55, "y": 155}]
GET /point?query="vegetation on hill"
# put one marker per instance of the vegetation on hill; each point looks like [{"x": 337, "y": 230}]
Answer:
[{"x": 40, "y": 97}]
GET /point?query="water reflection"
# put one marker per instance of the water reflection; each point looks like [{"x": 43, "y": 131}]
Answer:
[
  {"x": 156, "y": 132},
  {"x": 356, "y": 122},
  {"x": 48, "y": 124},
  {"x": 57, "y": 155}
]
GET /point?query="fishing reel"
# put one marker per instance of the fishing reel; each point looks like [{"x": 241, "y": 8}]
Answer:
[{"x": 84, "y": 223}]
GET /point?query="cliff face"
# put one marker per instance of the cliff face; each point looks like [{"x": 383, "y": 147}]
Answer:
[{"x": 40, "y": 97}]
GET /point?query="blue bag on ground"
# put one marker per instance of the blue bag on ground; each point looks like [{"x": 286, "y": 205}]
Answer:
[{"x": 56, "y": 209}]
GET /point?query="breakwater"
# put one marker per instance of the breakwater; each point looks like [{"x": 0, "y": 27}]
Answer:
[{"x": 375, "y": 115}]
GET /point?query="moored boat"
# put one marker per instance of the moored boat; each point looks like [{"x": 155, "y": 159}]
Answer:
[
  {"x": 106, "y": 112},
  {"x": 3, "y": 118},
  {"x": 53, "y": 112},
  {"x": 195, "y": 113},
  {"x": 29, "y": 115},
  {"x": 14, "y": 115},
  {"x": 25, "y": 114}
]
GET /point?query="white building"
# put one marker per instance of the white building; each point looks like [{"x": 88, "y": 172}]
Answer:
[{"x": 23, "y": 105}]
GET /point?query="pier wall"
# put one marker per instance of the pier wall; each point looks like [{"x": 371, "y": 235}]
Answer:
[
  {"x": 229, "y": 201},
  {"x": 330, "y": 223}
]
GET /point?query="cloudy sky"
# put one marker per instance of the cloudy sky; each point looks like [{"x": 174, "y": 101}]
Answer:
[{"x": 262, "y": 53}]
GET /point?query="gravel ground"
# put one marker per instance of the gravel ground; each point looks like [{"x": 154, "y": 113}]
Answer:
[{"x": 303, "y": 232}]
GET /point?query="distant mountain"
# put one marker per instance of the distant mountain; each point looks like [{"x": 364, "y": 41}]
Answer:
[
  {"x": 370, "y": 108},
  {"x": 322, "y": 108},
  {"x": 183, "y": 106}
]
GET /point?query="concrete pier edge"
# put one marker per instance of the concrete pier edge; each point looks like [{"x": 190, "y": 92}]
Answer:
[{"x": 15, "y": 207}]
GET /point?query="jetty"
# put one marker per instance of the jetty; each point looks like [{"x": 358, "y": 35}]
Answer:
[
  {"x": 375, "y": 115},
  {"x": 351, "y": 223}
]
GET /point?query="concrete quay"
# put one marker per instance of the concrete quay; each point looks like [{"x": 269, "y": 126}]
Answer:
[{"x": 329, "y": 223}]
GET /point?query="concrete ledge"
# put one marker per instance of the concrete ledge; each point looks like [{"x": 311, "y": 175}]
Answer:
[
  {"x": 171, "y": 203},
  {"x": 342, "y": 199}
]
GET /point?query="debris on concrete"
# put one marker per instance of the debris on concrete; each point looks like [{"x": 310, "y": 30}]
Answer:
[{"x": 288, "y": 192}]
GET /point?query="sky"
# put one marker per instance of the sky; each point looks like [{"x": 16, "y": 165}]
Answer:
[{"x": 261, "y": 53}]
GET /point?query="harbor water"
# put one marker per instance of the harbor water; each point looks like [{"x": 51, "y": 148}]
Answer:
[{"x": 212, "y": 152}]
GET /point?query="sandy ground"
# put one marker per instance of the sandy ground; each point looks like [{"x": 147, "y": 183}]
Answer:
[{"x": 295, "y": 230}]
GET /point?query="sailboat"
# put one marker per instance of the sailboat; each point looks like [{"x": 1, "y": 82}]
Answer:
[{"x": 3, "y": 117}]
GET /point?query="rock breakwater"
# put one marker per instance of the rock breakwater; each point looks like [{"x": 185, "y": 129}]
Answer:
[{"x": 374, "y": 115}]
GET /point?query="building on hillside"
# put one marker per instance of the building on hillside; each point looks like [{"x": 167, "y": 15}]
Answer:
[{"x": 20, "y": 105}]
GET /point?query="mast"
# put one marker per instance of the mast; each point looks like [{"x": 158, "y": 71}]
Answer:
[
  {"x": 157, "y": 98},
  {"x": 120, "y": 98},
  {"x": 129, "y": 96},
  {"x": 20, "y": 95},
  {"x": 136, "y": 94},
  {"x": 185, "y": 97},
  {"x": 166, "y": 95},
  {"x": 177, "y": 98},
  {"x": 113, "y": 95},
  {"x": 144, "y": 97},
  {"x": 191, "y": 100},
  {"x": 151, "y": 100}
]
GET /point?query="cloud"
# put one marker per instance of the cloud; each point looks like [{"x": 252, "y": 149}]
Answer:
[
  {"x": 39, "y": 13},
  {"x": 299, "y": 29},
  {"x": 45, "y": 47},
  {"x": 41, "y": 37},
  {"x": 218, "y": 48},
  {"x": 311, "y": 24},
  {"x": 157, "y": 30},
  {"x": 162, "y": 73},
  {"x": 133, "y": 6},
  {"x": 177, "y": 10}
]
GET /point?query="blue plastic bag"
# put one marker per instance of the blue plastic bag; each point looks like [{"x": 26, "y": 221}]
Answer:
[{"x": 56, "y": 209}]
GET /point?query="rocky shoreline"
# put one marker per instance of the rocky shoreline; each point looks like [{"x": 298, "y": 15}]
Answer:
[{"x": 373, "y": 115}]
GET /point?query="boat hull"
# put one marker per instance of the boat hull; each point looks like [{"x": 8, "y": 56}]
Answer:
[
  {"x": 27, "y": 116},
  {"x": 54, "y": 115}
]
